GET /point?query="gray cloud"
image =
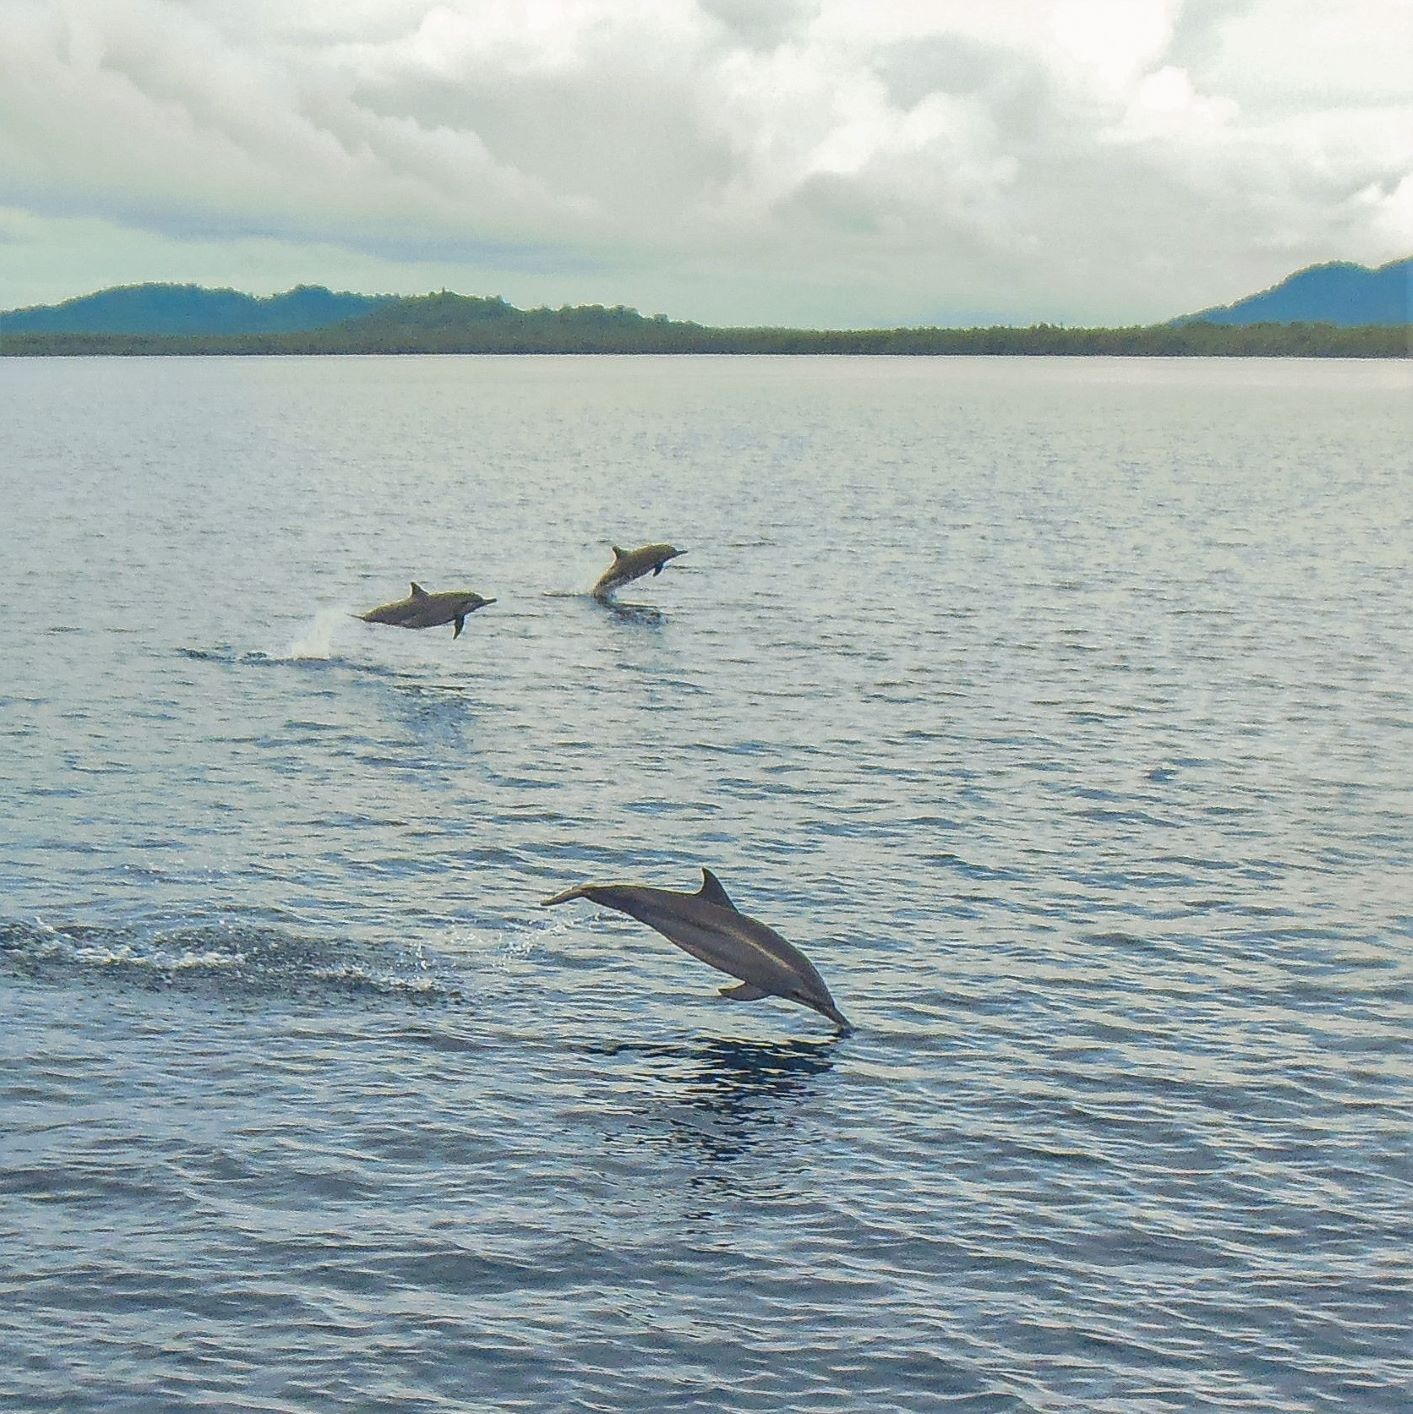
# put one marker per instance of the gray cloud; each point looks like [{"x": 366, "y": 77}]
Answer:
[
  {"x": 961, "y": 65},
  {"x": 821, "y": 162},
  {"x": 762, "y": 24}
]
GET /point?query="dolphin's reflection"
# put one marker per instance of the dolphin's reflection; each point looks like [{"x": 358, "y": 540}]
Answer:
[
  {"x": 720, "y": 1096},
  {"x": 648, "y": 615}
]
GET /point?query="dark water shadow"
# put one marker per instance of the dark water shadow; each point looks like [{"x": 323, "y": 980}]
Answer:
[
  {"x": 437, "y": 714},
  {"x": 719, "y": 1097},
  {"x": 624, "y": 612},
  {"x": 646, "y": 615},
  {"x": 332, "y": 663}
]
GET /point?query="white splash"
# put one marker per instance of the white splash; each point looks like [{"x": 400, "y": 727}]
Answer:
[{"x": 317, "y": 640}]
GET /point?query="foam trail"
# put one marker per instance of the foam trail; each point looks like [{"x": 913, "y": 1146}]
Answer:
[{"x": 317, "y": 639}]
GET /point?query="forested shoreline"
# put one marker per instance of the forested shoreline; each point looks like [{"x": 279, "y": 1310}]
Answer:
[{"x": 455, "y": 324}]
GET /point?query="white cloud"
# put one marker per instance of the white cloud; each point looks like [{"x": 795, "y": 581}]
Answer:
[
  {"x": 1116, "y": 41},
  {"x": 1307, "y": 55},
  {"x": 810, "y": 161}
]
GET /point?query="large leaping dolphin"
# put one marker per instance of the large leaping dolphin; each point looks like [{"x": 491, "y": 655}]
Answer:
[
  {"x": 423, "y": 610},
  {"x": 710, "y": 927},
  {"x": 634, "y": 564}
]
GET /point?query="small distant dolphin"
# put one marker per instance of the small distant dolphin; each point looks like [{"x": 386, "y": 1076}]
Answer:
[
  {"x": 634, "y": 564},
  {"x": 423, "y": 610},
  {"x": 710, "y": 927}
]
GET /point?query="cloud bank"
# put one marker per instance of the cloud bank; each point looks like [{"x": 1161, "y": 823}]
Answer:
[{"x": 814, "y": 162}]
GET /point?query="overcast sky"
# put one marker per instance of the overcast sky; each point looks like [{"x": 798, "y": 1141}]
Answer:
[{"x": 811, "y": 162}]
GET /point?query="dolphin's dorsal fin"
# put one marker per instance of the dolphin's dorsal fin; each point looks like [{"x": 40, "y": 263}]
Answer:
[
  {"x": 712, "y": 892},
  {"x": 619, "y": 554},
  {"x": 417, "y": 591}
]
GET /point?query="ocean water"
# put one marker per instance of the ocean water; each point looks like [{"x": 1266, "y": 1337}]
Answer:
[{"x": 1060, "y": 711}]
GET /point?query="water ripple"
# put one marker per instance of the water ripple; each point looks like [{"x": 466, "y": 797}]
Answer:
[{"x": 1056, "y": 709}]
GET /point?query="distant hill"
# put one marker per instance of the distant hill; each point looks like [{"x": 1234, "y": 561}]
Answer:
[
  {"x": 1339, "y": 293},
  {"x": 190, "y": 309}
]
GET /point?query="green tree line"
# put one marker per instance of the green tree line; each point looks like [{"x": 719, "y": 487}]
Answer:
[{"x": 447, "y": 323}]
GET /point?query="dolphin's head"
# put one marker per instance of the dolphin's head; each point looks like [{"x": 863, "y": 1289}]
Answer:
[
  {"x": 835, "y": 1015},
  {"x": 823, "y": 1003}
]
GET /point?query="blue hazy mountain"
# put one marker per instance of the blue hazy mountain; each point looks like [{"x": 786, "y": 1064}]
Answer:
[
  {"x": 1338, "y": 293},
  {"x": 190, "y": 309}
]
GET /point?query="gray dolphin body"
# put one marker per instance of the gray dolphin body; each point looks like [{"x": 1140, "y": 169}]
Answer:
[
  {"x": 634, "y": 564},
  {"x": 710, "y": 927},
  {"x": 423, "y": 610}
]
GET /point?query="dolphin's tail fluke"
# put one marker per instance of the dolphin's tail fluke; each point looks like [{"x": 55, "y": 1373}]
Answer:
[{"x": 581, "y": 891}]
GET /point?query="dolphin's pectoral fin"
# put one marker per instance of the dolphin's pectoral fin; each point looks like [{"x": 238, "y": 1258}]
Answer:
[
  {"x": 417, "y": 591},
  {"x": 460, "y": 622},
  {"x": 657, "y": 569},
  {"x": 746, "y": 992},
  {"x": 712, "y": 892}
]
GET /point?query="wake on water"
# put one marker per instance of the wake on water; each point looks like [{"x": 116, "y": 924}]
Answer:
[
  {"x": 315, "y": 642},
  {"x": 229, "y": 957},
  {"x": 269, "y": 962}
]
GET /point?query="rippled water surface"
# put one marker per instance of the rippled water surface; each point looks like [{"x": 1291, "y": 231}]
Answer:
[{"x": 1059, "y": 710}]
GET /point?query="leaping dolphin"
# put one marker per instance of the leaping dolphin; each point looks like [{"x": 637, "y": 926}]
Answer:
[
  {"x": 710, "y": 927},
  {"x": 634, "y": 564},
  {"x": 423, "y": 610}
]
